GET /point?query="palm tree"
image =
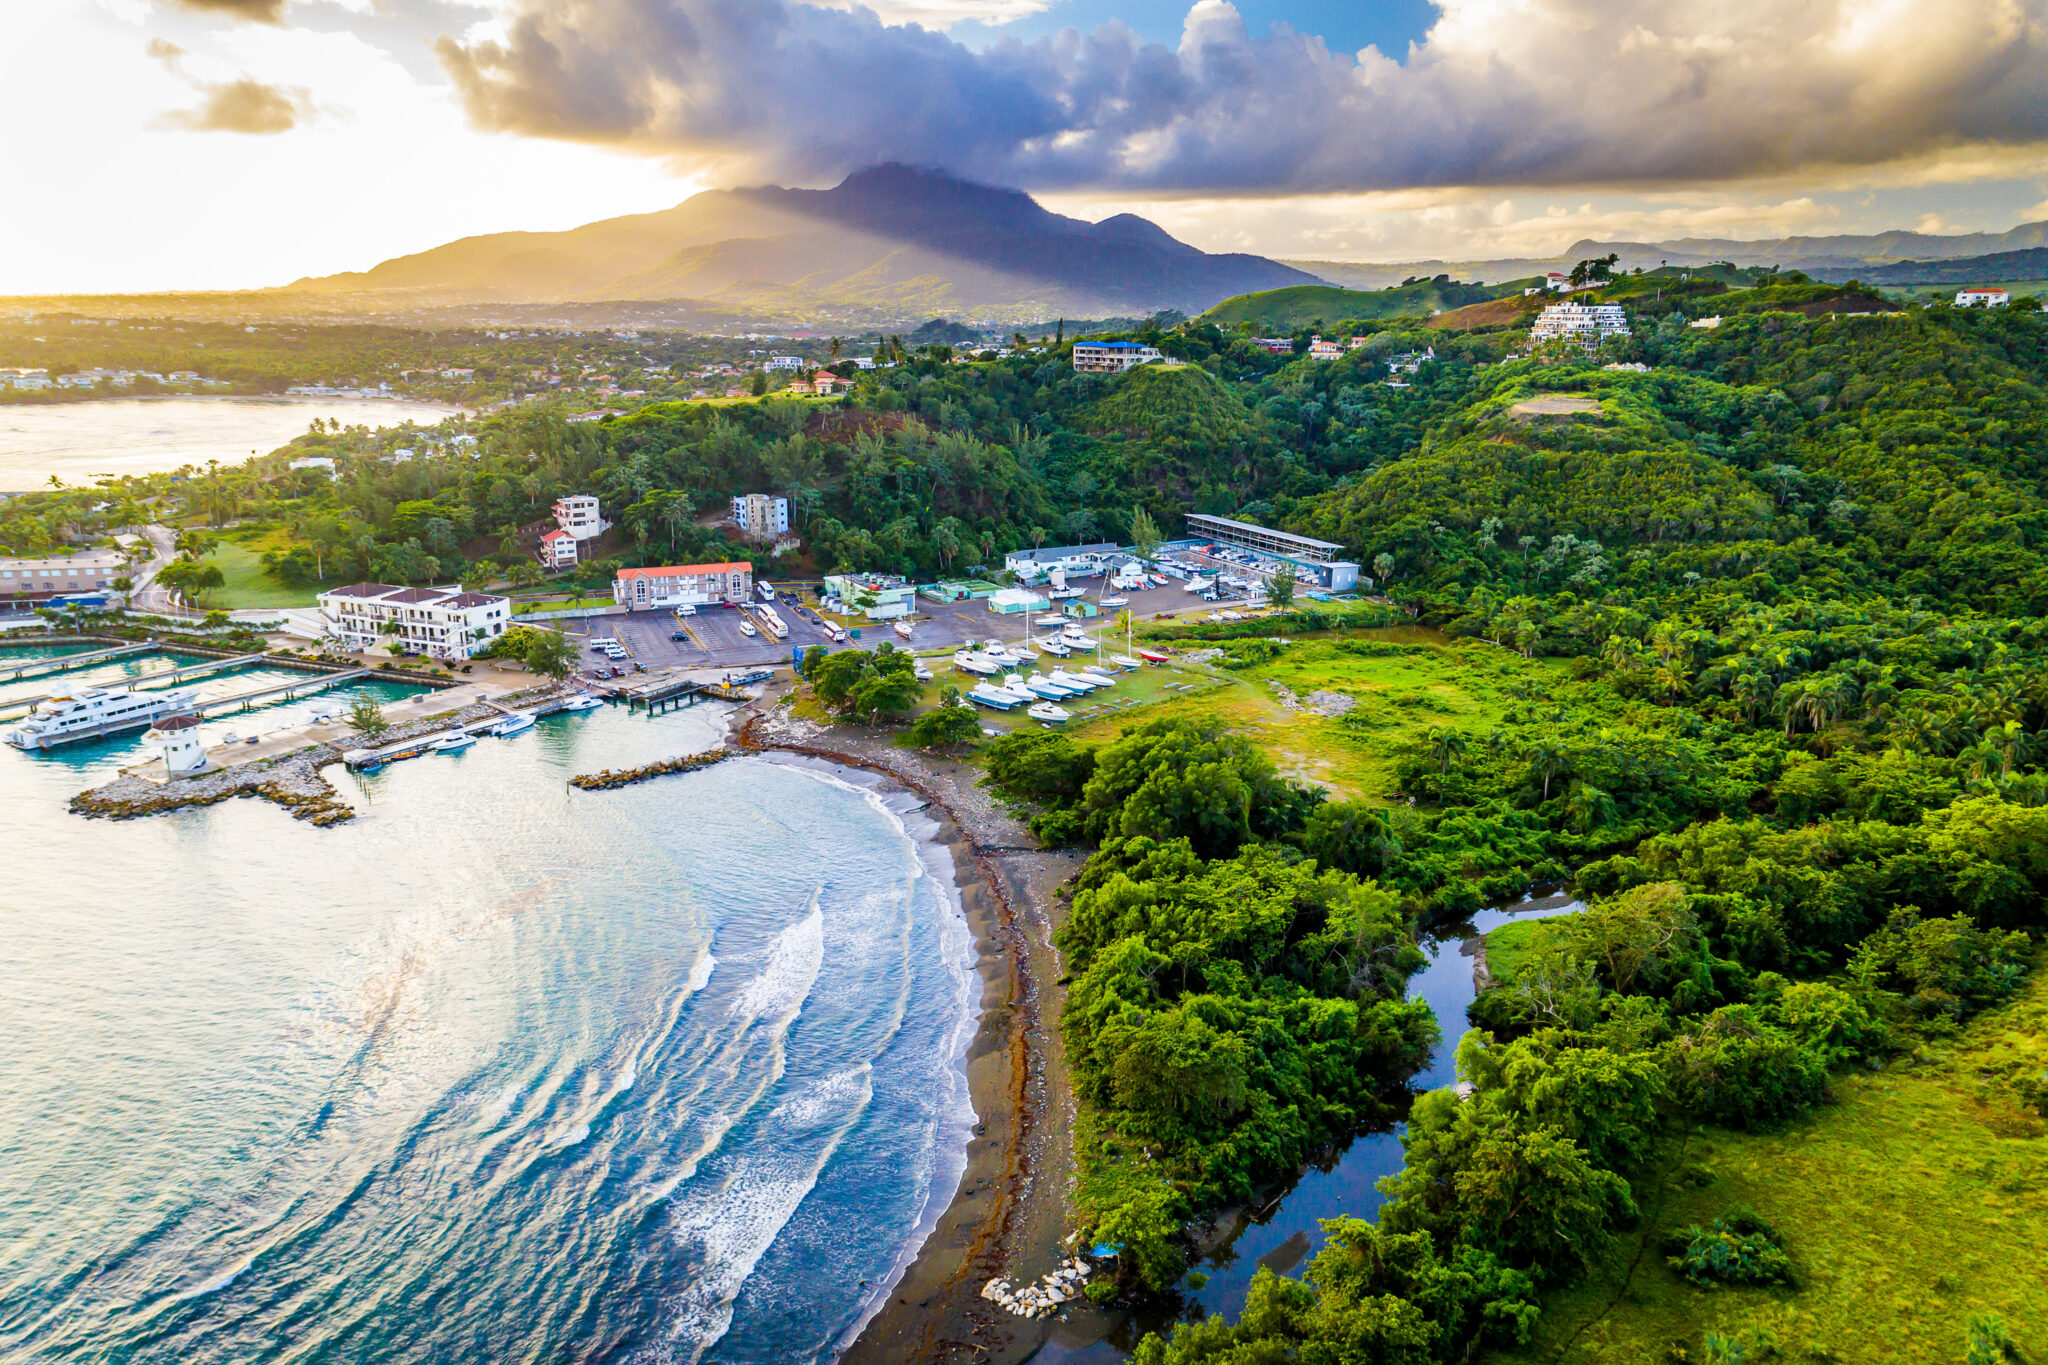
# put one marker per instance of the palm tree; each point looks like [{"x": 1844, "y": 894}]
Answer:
[
  {"x": 2013, "y": 745},
  {"x": 1446, "y": 746},
  {"x": 1549, "y": 759}
]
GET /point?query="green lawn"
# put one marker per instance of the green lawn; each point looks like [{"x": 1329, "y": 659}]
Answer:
[
  {"x": 1917, "y": 1200},
  {"x": 247, "y": 584},
  {"x": 1508, "y": 947},
  {"x": 1413, "y": 680}
]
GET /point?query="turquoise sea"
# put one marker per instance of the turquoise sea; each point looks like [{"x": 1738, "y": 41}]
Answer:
[{"x": 500, "y": 1072}]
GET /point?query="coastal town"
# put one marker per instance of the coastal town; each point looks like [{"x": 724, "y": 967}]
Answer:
[{"x": 1005, "y": 684}]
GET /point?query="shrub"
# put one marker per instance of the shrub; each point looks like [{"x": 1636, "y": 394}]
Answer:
[{"x": 1736, "y": 1248}]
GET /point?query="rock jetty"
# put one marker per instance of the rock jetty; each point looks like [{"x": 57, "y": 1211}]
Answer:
[
  {"x": 626, "y": 777},
  {"x": 290, "y": 780},
  {"x": 1042, "y": 1297}
]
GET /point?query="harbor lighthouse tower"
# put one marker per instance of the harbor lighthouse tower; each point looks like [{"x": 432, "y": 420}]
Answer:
[{"x": 178, "y": 739}]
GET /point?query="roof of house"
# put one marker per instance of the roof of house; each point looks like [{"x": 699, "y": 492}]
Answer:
[
  {"x": 363, "y": 590},
  {"x": 1981, "y": 289},
  {"x": 680, "y": 570},
  {"x": 417, "y": 596},
  {"x": 1063, "y": 552},
  {"x": 472, "y": 599},
  {"x": 556, "y": 534},
  {"x": 1115, "y": 345}
]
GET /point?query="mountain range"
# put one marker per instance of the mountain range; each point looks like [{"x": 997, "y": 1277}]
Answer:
[
  {"x": 1907, "y": 257},
  {"x": 890, "y": 241}
]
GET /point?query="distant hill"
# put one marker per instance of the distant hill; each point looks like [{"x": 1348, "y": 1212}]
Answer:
[
  {"x": 1832, "y": 257},
  {"x": 1296, "y": 306},
  {"x": 2031, "y": 264},
  {"x": 887, "y": 241}
]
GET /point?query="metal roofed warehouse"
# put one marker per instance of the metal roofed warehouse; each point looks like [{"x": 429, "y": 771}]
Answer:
[
  {"x": 1317, "y": 556},
  {"x": 1262, "y": 538}
]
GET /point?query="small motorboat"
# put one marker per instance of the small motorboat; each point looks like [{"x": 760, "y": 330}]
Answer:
[
  {"x": 512, "y": 725},
  {"x": 904, "y": 629},
  {"x": 920, "y": 672},
  {"x": 1099, "y": 671},
  {"x": 448, "y": 744},
  {"x": 1054, "y": 648},
  {"x": 582, "y": 702},
  {"x": 1052, "y": 691},
  {"x": 982, "y": 694},
  {"x": 1116, "y": 601},
  {"x": 1047, "y": 712},
  {"x": 1125, "y": 662}
]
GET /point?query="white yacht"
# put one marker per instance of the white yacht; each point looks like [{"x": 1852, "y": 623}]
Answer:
[
  {"x": 1054, "y": 648},
  {"x": 1082, "y": 680},
  {"x": 983, "y": 694},
  {"x": 974, "y": 661},
  {"x": 1047, "y": 712},
  {"x": 89, "y": 712}
]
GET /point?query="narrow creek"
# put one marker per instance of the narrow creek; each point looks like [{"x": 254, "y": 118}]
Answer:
[{"x": 1284, "y": 1234}]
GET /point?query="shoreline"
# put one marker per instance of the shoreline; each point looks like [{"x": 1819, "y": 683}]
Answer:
[{"x": 1007, "y": 1214}]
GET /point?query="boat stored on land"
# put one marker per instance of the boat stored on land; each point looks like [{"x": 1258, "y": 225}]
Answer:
[
  {"x": 982, "y": 694},
  {"x": 89, "y": 712},
  {"x": 1047, "y": 712},
  {"x": 904, "y": 629},
  {"x": 974, "y": 661}
]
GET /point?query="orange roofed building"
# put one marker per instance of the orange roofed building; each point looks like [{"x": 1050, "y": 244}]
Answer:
[{"x": 683, "y": 584}]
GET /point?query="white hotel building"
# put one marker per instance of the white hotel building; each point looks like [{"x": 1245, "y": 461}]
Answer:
[
  {"x": 1589, "y": 324},
  {"x": 442, "y": 623}
]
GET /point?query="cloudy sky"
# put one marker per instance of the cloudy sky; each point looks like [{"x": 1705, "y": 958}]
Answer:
[{"x": 229, "y": 143}]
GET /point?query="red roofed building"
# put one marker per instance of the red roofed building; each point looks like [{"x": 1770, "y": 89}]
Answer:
[
  {"x": 683, "y": 584},
  {"x": 557, "y": 549}
]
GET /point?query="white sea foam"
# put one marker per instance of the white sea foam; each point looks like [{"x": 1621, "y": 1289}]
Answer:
[
  {"x": 778, "y": 993},
  {"x": 700, "y": 975},
  {"x": 725, "y": 1229}
]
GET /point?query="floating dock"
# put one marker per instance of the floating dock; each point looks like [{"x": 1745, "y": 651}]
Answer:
[{"x": 66, "y": 662}]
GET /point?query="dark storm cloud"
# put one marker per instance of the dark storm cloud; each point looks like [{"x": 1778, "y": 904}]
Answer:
[{"x": 1501, "y": 92}]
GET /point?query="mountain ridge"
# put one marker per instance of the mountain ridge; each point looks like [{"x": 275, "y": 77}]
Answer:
[{"x": 848, "y": 246}]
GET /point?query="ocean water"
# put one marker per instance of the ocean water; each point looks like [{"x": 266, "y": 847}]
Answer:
[
  {"x": 500, "y": 1072},
  {"x": 79, "y": 442}
]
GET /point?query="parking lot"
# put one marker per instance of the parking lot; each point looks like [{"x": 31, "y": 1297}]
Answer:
[{"x": 712, "y": 637}]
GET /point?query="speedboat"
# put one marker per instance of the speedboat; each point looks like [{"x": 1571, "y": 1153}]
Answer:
[
  {"x": 1099, "y": 671},
  {"x": 1016, "y": 688},
  {"x": 1047, "y": 712},
  {"x": 1080, "y": 642},
  {"x": 973, "y": 661},
  {"x": 448, "y": 744},
  {"x": 1052, "y": 691},
  {"x": 583, "y": 701},
  {"x": 982, "y": 694},
  {"x": 1125, "y": 662},
  {"x": 1054, "y": 648},
  {"x": 512, "y": 725},
  {"x": 1116, "y": 601},
  {"x": 1082, "y": 680}
]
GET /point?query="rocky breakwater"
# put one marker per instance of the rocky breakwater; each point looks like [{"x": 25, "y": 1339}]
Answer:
[
  {"x": 291, "y": 780},
  {"x": 1042, "y": 1297},
  {"x": 608, "y": 778}
]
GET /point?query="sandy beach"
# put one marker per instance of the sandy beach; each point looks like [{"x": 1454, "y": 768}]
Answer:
[{"x": 1009, "y": 1216}]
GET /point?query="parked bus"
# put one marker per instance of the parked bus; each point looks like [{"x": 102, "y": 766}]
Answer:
[
  {"x": 772, "y": 623},
  {"x": 767, "y": 591}
]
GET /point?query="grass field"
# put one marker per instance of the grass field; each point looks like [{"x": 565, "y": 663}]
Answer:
[
  {"x": 1414, "y": 680},
  {"x": 1910, "y": 1205},
  {"x": 247, "y": 585}
]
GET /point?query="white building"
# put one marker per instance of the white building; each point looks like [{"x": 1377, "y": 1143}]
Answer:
[
  {"x": 557, "y": 549},
  {"x": 761, "y": 514},
  {"x": 784, "y": 362},
  {"x": 177, "y": 739},
  {"x": 1031, "y": 565},
  {"x": 83, "y": 571},
  {"x": 1980, "y": 297},
  {"x": 1112, "y": 357},
  {"x": 443, "y": 623},
  {"x": 683, "y": 585},
  {"x": 577, "y": 513},
  {"x": 1588, "y": 324},
  {"x": 324, "y": 463}
]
